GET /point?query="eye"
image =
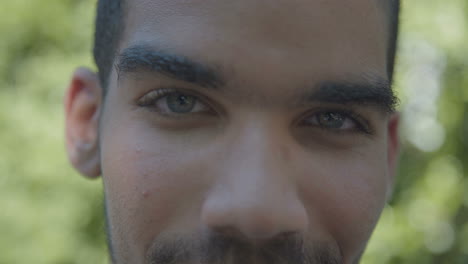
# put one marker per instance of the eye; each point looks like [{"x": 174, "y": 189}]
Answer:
[
  {"x": 179, "y": 103},
  {"x": 337, "y": 121},
  {"x": 172, "y": 102}
]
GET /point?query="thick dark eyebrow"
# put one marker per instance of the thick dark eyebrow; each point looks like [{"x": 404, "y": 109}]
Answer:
[
  {"x": 371, "y": 90},
  {"x": 143, "y": 58},
  {"x": 374, "y": 91}
]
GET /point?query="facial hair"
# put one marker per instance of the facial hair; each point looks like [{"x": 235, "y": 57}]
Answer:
[{"x": 215, "y": 248}]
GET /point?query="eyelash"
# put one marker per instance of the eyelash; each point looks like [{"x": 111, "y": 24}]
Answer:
[
  {"x": 150, "y": 99},
  {"x": 362, "y": 125}
]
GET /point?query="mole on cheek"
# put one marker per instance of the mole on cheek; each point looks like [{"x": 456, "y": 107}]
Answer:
[{"x": 145, "y": 194}]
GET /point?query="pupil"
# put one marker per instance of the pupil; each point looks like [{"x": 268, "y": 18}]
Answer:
[
  {"x": 331, "y": 120},
  {"x": 180, "y": 103}
]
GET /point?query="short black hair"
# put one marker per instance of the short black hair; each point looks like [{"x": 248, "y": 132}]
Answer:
[
  {"x": 107, "y": 35},
  {"x": 110, "y": 26},
  {"x": 394, "y": 24}
]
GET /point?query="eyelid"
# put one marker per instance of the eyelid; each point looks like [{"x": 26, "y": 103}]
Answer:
[
  {"x": 154, "y": 95},
  {"x": 362, "y": 124}
]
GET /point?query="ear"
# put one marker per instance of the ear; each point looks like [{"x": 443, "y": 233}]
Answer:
[
  {"x": 393, "y": 146},
  {"x": 82, "y": 107}
]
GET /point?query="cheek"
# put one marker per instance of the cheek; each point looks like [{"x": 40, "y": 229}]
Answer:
[
  {"x": 151, "y": 183},
  {"x": 346, "y": 192}
]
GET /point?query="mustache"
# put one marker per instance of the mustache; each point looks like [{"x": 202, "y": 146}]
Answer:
[{"x": 222, "y": 249}]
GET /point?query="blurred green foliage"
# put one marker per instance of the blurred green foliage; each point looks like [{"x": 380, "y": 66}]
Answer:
[{"x": 49, "y": 214}]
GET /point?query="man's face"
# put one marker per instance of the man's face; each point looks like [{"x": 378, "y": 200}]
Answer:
[{"x": 247, "y": 131}]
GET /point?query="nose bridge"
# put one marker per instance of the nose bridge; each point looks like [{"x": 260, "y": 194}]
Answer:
[
  {"x": 254, "y": 164},
  {"x": 260, "y": 164},
  {"x": 256, "y": 145},
  {"x": 255, "y": 192}
]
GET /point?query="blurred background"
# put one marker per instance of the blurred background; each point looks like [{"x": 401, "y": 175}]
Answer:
[{"x": 49, "y": 214}]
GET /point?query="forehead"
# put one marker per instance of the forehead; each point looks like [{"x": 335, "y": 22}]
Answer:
[{"x": 320, "y": 37}]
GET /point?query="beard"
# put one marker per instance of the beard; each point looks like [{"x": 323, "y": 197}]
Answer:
[{"x": 215, "y": 248}]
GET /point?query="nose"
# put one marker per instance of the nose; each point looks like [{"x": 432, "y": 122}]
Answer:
[{"x": 254, "y": 195}]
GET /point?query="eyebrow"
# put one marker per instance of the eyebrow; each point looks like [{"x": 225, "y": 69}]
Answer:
[
  {"x": 141, "y": 58},
  {"x": 370, "y": 90}
]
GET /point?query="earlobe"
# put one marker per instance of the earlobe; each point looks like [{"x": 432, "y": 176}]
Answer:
[{"x": 82, "y": 107}]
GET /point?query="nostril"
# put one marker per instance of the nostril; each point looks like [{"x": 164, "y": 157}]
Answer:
[
  {"x": 253, "y": 225},
  {"x": 230, "y": 232}
]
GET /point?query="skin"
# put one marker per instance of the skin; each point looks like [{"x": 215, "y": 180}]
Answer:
[{"x": 252, "y": 163}]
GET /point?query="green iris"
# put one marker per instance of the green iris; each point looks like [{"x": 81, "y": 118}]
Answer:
[
  {"x": 331, "y": 120},
  {"x": 180, "y": 103}
]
